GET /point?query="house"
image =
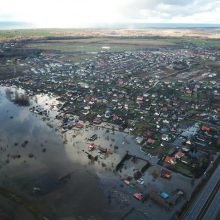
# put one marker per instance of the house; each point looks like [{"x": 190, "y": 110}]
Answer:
[
  {"x": 150, "y": 141},
  {"x": 97, "y": 120},
  {"x": 185, "y": 160},
  {"x": 165, "y": 173},
  {"x": 170, "y": 160},
  {"x": 140, "y": 98},
  {"x": 107, "y": 114},
  {"x": 164, "y": 195},
  {"x": 189, "y": 142},
  {"x": 148, "y": 134},
  {"x": 179, "y": 155},
  {"x": 138, "y": 196},
  {"x": 91, "y": 147},
  {"x": 146, "y": 95},
  {"x": 115, "y": 117},
  {"x": 185, "y": 148},
  {"x": 165, "y": 137},
  {"x": 139, "y": 140},
  {"x": 85, "y": 112},
  {"x": 87, "y": 108},
  {"x": 79, "y": 125},
  {"x": 205, "y": 128},
  {"x": 126, "y": 106},
  {"x": 173, "y": 130}
]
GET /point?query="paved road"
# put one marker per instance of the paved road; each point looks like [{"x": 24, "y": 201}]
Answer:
[
  {"x": 214, "y": 208},
  {"x": 194, "y": 211}
]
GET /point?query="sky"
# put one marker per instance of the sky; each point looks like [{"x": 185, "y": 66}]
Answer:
[{"x": 91, "y": 13}]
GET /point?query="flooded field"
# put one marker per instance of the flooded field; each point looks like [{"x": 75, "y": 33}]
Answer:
[{"x": 37, "y": 178}]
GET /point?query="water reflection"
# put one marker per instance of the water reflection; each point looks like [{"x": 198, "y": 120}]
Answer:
[
  {"x": 17, "y": 96},
  {"x": 33, "y": 160}
]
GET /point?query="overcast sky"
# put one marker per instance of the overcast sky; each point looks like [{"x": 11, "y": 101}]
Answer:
[{"x": 86, "y": 13}]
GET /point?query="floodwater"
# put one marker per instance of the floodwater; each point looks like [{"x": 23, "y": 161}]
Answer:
[
  {"x": 35, "y": 168},
  {"x": 41, "y": 176}
]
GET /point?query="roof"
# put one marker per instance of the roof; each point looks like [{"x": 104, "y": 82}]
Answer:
[
  {"x": 150, "y": 141},
  {"x": 170, "y": 160},
  {"x": 115, "y": 117},
  {"x": 139, "y": 139},
  {"x": 140, "y": 98},
  {"x": 179, "y": 154},
  {"x": 165, "y": 173},
  {"x": 205, "y": 128},
  {"x": 164, "y": 195},
  {"x": 97, "y": 120},
  {"x": 79, "y": 125},
  {"x": 138, "y": 196}
]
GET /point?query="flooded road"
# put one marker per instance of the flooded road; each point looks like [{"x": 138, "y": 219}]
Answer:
[{"x": 34, "y": 166}]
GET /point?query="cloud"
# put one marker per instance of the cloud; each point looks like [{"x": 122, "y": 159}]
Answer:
[
  {"x": 184, "y": 11},
  {"x": 80, "y": 13}
]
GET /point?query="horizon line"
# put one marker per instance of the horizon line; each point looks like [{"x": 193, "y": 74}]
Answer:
[{"x": 15, "y": 25}]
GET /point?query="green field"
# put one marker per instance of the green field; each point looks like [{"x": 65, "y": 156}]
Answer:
[
  {"x": 183, "y": 169},
  {"x": 38, "y": 33},
  {"x": 97, "y": 44},
  {"x": 79, "y": 47},
  {"x": 200, "y": 42},
  {"x": 180, "y": 168},
  {"x": 92, "y": 40}
]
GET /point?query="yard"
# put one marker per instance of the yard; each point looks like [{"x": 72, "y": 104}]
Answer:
[{"x": 183, "y": 169}]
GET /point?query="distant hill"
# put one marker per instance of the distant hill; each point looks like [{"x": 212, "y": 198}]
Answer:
[
  {"x": 4, "y": 25},
  {"x": 26, "y": 31},
  {"x": 175, "y": 25}
]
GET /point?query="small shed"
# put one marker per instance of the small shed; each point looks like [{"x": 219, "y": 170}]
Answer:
[{"x": 164, "y": 195}]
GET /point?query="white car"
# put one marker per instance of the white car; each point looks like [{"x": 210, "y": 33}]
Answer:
[{"x": 140, "y": 181}]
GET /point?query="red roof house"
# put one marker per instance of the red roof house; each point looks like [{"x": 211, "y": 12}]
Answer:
[
  {"x": 179, "y": 155},
  {"x": 170, "y": 160},
  {"x": 165, "y": 173},
  {"x": 205, "y": 128}
]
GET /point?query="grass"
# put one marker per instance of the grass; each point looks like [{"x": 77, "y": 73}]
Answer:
[
  {"x": 95, "y": 44},
  {"x": 183, "y": 169},
  {"x": 79, "y": 47},
  {"x": 22, "y": 34},
  {"x": 188, "y": 97},
  {"x": 156, "y": 150},
  {"x": 148, "y": 149},
  {"x": 200, "y": 42},
  {"x": 180, "y": 168},
  {"x": 38, "y": 33},
  {"x": 127, "y": 38},
  {"x": 205, "y": 42},
  {"x": 93, "y": 40}
]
